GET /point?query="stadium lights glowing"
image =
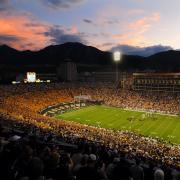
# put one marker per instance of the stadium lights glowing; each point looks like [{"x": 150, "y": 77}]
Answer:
[
  {"x": 117, "y": 56},
  {"x": 13, "y": 82},
  {"x": 16, "y": 82},
  {"x": 26, "y": 81},
  {"x": 38, "y": 81}
]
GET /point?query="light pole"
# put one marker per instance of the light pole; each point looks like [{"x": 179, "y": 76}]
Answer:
[{"x": 117, "y": 58}]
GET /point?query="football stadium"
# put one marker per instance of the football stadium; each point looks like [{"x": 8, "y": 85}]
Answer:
[
  {"x": 137, "y": 125},
  {"x": 89, "y": 90}
]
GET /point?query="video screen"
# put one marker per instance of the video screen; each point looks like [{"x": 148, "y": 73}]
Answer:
[{"x": 31, "y": 77}]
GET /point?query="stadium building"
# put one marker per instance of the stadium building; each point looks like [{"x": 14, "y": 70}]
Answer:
[
  {"x": 157, "y": 81},
  {"x": 67, "y": 71}
]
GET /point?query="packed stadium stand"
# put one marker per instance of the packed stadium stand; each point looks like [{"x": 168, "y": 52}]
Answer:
[{"x": 37, "y": 147}]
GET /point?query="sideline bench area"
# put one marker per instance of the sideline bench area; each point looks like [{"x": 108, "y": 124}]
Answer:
[{"x": 67, "y": 106}]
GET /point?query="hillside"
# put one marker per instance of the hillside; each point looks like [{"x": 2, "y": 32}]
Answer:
[{"x": 87, "y": 55}]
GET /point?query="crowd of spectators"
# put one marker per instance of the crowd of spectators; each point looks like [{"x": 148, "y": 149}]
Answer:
[{"x": 101, "y": 153}]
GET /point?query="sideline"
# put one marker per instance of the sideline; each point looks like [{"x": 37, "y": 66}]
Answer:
[{"x": 152, "y": 111}]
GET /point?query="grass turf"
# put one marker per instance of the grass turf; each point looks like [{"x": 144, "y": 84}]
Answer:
[{"x": 161, "y": 126}]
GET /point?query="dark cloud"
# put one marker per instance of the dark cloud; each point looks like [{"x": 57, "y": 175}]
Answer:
[
  {"x": 28, "y": 46},
  {"x": 105, "y": 22},
  {"x": 58, "y": 36},
  {"x": 56, "y": 4},
  {"x": 141, "y": 51},
  {"x": 111, "y": 21},
  {"x": 87, "y": 21},
  {"x": 4, "y": 5},
  {"x": 107, "y": 44},
  {"x": 105, "y": 35},
  {"x": 4, "y": 2},
  {"x": 6, "y": 39}
]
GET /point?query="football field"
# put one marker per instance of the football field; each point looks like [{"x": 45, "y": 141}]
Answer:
[{"x": 156, "y": 125}]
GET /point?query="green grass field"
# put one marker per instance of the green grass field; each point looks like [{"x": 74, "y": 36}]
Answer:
[{"x": 161, "y": 126}]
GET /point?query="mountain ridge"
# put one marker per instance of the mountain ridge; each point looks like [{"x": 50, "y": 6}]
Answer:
[{"x": 88, "y": 55}]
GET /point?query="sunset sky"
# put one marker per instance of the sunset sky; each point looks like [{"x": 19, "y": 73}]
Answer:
[{"x": 105, "y": 24}]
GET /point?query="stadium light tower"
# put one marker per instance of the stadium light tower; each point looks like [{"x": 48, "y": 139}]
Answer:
[{"x": 117, "y": 59}]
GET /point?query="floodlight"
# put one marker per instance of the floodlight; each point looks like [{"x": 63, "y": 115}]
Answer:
[{"x": 117, "y": 56}]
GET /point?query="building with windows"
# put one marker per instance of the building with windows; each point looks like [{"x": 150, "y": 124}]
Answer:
[
  {"x": 67, "y": 71},
  {"x": 157, "y": 81}
]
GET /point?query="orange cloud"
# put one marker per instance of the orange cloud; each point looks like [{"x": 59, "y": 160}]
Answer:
[
  {"x": 135, "y": 11},
  {"x": 120, "y": 36},
  {"x": 139, "y": 28},
  {"x": 27, "y": 30},
  {"x": 74, "y": 30},
  {"x": 23, "y": 31},
  {"x": 144, "y": 22},
  {"x": 123, "y": 26},
  {"x": 135, "y": 41},
  {"x": 135, "y": 31}
]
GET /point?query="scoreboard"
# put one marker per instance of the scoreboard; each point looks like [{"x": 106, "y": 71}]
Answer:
[{"x": 31, "y": 77}]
